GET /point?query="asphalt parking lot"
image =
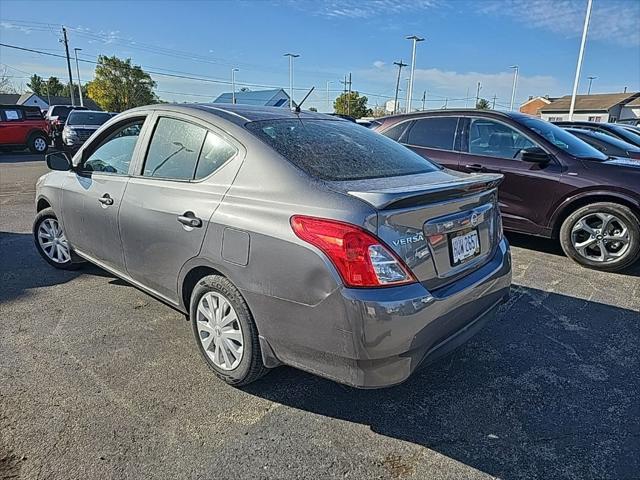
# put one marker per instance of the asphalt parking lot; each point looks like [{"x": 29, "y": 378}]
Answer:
[{"x": 99, "y": 380}]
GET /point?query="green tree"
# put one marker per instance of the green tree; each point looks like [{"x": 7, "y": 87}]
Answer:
[
  {"x": 313, "y": 109},
  {"x": 65, "y": 92},
  {"x": 6, "y": 86},
  {"x": 352, "y": 104},
  {"x": 118, "y": 85},
  {"x": 53, "y": 87},
  {"x": 37, "y": 84},
  {"x": 483, "y": 104}
]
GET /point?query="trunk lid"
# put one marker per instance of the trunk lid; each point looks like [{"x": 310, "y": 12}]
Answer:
[{"x": 420, "y": 215}]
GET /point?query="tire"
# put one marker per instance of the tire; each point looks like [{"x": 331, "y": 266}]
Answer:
[
  {"x": 207, "y": 299},
  {"x": 38, "y": 143},
  {"x": 44, "y": 222},
  {"x": 620, "y": 241}
]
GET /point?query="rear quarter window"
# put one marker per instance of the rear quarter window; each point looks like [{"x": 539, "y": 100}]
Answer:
[
  {"x": 339, "y": 150},
  {"x": 436, "y": 132}
]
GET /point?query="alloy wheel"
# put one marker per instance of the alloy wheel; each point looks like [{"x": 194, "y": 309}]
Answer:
[
  {"x": 40, "y": 144},
  {"x": 600, "y": 237},
  {"x": 219, "y": 330},
  {"x": 53, "y": 241}
]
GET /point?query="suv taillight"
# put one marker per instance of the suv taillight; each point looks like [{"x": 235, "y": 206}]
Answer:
[{"x": 361, "y": 259}]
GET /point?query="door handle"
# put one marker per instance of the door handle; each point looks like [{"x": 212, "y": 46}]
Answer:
[
  {"x": 106, "y": 199},
  {"x": 475, "y": 167},
  {"x": 190, "y": 220}
]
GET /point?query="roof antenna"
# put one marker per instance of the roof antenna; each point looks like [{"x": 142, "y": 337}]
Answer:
[{"x": 296, "y": 109}]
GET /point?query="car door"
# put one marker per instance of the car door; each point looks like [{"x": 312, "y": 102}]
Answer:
[
  {"x": 92, "y": 193},
  {"x": 12, "y": 127},
  {"x": 434, "y": 138},
  {"x": 527, "y": 191},
  {"x": 189, "y": 166}
]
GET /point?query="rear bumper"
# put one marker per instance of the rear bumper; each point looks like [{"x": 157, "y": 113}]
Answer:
[{"x": 372, "y": 338}]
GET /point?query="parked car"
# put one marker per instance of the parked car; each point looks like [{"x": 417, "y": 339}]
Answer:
[
  {"x": 80, "y": 125},
  {"x": 56, "y": 117},
  {"x": 289, "y": 238},
  {"x": 23, "y": 127},
  {"x": 610, "y": 146},
  {"x": 611, "y": 129},
  {"x": 555, "y": 185}
]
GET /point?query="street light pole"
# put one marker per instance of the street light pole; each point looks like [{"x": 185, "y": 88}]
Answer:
[
  {"x": 328, "y": 106},
  {"x": 415, "y": 39},
  {"x": 587, "y": 17},
  {"x": 515, "y": 85},
  {"x": 76, "y": 50},
  {"x": 233, "y": 85},
  {"x": 291, "y": 57},
  {"x": 591, "y": 79}
]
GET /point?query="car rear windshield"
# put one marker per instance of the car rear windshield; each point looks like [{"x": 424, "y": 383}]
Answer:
[
  {"x": 626, "y": 134},
  {"x": 87, "y": 118},
  {"x": 339, "y": 150},
  {"x": 563, "y": 139}
]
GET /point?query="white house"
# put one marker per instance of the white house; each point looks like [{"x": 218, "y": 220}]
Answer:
[
  {"x": 604, "y": 107},
  {"x": 631, "y": 110}
]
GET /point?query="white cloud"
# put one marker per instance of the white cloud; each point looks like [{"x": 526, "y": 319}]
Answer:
[
  {"x": 366, "y": 9},
  {"x": 378, "y": 64},
  {"x": 13, "y": 26},
  {"x": 616, "y": 21}
]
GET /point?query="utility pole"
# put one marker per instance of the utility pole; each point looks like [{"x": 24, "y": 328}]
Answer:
[
  {"x": 349, "y": 97},
  {"x": 328, "y": 106},
  {"x": 446, "y": 101},
  {"x": 424, "y": 98},
  {"x": 66, "y": 47},
  {"x": 415, "y": 39},
  {"x": 291, "y": 57},
  {"x": 591, "y": 79},
  {"x": 477, "y": 95},
  {"x": 494, "y": 102},
  {"x": 395, "y": 101},
  {"x": 466, "y": 99},
  {"x": 233, "y": 85},
  {"x": 76, "y": 50},
  {"x": 585, "y": 29},
  {"x": 515, "y": 85}
]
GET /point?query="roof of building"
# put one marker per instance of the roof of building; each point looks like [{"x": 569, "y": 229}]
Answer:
[
  {"x": 9, "y": 98},
  {"x": 634, "y": 103},
  {"x": 256, "y": 97},
  {"x": 589, "y": 103},
  {"x": 544, "y": 99}
]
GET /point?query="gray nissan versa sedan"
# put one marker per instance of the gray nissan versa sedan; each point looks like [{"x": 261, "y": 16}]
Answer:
[{"x": 287, "y": 238}]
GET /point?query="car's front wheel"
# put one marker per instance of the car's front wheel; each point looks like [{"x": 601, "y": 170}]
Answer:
[
  {"x": 225, "y": 332},
  {"x": 51, "y": 242},
  {"x": 603, "y": 236},
  {"x": 38, "y": 143}
]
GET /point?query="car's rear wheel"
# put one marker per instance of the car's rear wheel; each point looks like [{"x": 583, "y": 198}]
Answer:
[
  {"x": 225, "y": 332},
  {"x": 51, "y": 241},
  {"x": 603, "y": 236},
  {"x": 38, "y": 143}
]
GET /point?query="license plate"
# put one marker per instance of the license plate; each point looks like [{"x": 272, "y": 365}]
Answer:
[{"x": 463, "y": 245}]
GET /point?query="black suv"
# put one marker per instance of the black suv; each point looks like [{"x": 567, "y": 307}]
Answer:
[{"x": 611, "y": 129}]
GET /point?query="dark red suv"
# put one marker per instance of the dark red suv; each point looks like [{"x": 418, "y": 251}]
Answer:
[
  {"x": 22, "y": 126},
  {"x": 555, "y": 185}
]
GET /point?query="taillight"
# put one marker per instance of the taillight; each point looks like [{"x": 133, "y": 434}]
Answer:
[{"x": 361, "y": 259}]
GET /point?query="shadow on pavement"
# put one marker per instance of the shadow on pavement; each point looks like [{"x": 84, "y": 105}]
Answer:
[
  {"x": 549, "y": 390},
  {"x": 22, "y": 268}
]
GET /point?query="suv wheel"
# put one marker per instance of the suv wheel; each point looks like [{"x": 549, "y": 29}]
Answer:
[
  {"x": 51, "y": 241},
  {"x": 38, "y": 143},
  {"x": 225, "y": 332},
  {"x": 604, "y": 236}
]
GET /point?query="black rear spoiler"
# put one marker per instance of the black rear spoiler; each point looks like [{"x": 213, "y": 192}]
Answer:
[{"x": 401, "y": 197}]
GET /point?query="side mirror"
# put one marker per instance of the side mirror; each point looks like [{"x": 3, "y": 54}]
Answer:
[
  {"x": 534, "y": 155},
  {"x": 58, "y": 161}
]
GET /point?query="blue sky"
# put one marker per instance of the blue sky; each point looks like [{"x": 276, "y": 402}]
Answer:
[{"x": 466, "y": 42}]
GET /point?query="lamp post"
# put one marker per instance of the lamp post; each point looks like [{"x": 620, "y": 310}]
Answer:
[
  {"x": 76, "y": 50},
  {"x": 515, "y": 85},
  {"x": 585, "y": 29},
  {"x": 591, "y": 79},
  {"x": 233, "y": 85},
  {"x": 291, "y": 57},
  {"x": 328, "y": 105},
  {"x": 415, "y": 40}
]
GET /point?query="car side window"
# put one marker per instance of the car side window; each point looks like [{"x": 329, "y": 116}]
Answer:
[
  {"x": 11, "y": 115},
  {"x": 115, "y": 152},
  {"x": 435, "y": 132},
  {"x": 396, "y": 131},
  {"x": 215, "y": 153},
  {"x": 174, "y": 149},
  {"x": 493, "y": 139}
]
